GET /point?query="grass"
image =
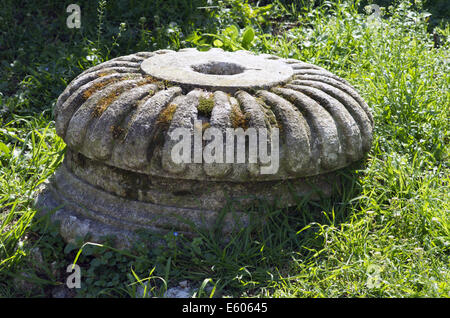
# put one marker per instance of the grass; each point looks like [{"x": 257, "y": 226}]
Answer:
[{"x": 386, "y": 234}]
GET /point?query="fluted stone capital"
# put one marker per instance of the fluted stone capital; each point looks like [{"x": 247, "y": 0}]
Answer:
[
  {"x": 120, "y": 112},
  {"x": 117, "y": 119}
]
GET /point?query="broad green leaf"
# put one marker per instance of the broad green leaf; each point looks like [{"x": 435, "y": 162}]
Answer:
[
  {"x": 232, "y": 32},
  {"x": 248, "y": 37},
  {"x": 218, "y": 43},
  {"x": 4, "y": 148}
]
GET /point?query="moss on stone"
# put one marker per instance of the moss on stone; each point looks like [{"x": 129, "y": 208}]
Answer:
[
  {"x": 206, "y": 104},
  {"x": 103, "y": 103},
  {"x": 270, "y": 118},
  {"x": 98, "y": 86},
  {"x": 167, "y": 84},
  {"x": 167, "y": 114},
  {"x": 238, "y": 119}
]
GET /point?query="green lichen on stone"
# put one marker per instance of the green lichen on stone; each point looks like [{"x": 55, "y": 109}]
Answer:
[
  {"x": 270, "y": 118},
  {"x": 205, "y": 105}
]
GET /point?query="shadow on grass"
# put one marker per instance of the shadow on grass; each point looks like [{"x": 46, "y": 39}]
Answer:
[
  {"x": 260, "y": 252},
  {"x": 251, "y": 260}
]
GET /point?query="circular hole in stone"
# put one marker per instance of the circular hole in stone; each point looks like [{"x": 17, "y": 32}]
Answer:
[{"x": 218, "y": 68}]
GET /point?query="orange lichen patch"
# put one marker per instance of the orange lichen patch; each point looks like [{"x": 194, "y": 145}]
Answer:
[
  {"x": 150, "y": 79},
  {"x": 147, "y": 79},
  {"x": 104, "y": 73},
  {"x": 98, "y": 86},
  {"x": 205, "y": 126},
  {"x": 167, "y": 114},
  {"x": 104, "y": 103},
  {"x": 162, "y": 124},
  {"x": 238, "y": 119},
  {"x": 161, "y": 84}
]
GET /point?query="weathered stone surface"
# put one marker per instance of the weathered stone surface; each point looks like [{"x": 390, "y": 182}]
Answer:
[
  {"x": 118, "y": 175},
  {"x": 113, "y": 117}
]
